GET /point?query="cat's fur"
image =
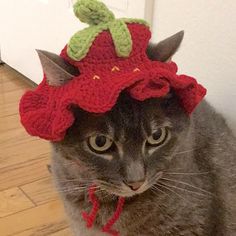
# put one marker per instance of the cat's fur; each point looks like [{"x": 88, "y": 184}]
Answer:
[{"x": 196, "y": 194}]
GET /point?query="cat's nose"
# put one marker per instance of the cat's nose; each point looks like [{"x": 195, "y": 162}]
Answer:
[{"x": 135, "y": 185}]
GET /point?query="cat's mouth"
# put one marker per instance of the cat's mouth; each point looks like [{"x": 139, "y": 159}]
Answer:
[{"x": 124, "y": 190}]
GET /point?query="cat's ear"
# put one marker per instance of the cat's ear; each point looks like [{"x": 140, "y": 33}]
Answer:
[
  {"x": 164, "y": 50},
  {"x": 56, "y": 69}
]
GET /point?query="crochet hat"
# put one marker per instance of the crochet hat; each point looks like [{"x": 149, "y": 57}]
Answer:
[{"x": 110, "y": 57}]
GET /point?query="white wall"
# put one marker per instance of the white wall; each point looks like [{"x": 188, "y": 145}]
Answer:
[
  {"x": 26, "y": 25},
  {"x": 208, "y": 51}
]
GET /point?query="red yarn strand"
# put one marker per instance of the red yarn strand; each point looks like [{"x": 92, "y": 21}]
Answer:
[
  {"x": 90, "y": 218},
  {"x": 107, "y": 227}
]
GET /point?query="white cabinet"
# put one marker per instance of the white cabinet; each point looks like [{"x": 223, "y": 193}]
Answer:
[{"x": 27, "y": 25}]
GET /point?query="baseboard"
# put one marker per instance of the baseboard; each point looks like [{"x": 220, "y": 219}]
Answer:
[
  {"x": 1, "y": 61},
  {"x": 24, "y": 78}
]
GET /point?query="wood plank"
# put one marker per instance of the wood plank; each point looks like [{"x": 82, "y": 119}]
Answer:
[
  {"x": 11, "y": 83},
  {"x": 41, "y": 221},
  {"x": 9, "y": 74},
  {"x": 10, "y": 123},
  {"x": 18, "y": 146},
  {"x": 23, "y": 173},
  {"x": 11, "y": 97},
  {"x": 19, "y": 150},
  {"x": 17, "y": 135},
  {"x": 41, "y": 191},
  {"x": 9, "y": 109},
  {"x": 64, "y": 232},
  {"x": 13, "y": 200}
]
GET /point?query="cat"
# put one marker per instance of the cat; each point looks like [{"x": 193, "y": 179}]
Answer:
[{"x": 176, "y": 172}]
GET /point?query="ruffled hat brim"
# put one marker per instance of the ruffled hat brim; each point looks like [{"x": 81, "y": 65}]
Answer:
[{"x": 45, "y": 112}]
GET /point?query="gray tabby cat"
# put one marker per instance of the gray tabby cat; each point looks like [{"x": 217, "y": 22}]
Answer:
[{"x": 177, "y": 173}]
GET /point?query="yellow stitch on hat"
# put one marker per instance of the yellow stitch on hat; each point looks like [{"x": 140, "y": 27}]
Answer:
[
  {"x": 136, "y": 69},
  {"x": 115, "y": 68},
  {"x": 96, "y": 77}
]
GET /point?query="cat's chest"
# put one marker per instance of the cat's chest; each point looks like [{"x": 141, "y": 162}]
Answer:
[{"x": 155, "y": 215}]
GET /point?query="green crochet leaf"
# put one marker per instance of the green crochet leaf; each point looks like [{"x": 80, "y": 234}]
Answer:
[
  {"x": 92, "y": 12},
  {"x": 121, "y": 38},
  {"x": 80, "y": 43},
  {"x": 137, "y": 21},
  {"x": 100, "y": 18}
]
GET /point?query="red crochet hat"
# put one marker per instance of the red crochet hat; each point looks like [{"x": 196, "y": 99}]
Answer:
[{"x": 111, "y": 57}]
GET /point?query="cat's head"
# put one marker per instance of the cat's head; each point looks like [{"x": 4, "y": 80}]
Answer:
[{"x": 125, "y": 150}]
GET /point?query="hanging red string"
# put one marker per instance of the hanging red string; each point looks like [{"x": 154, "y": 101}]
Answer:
[
  {"x": 107, "y": 227},
  {"x": 90, "y": 218}
]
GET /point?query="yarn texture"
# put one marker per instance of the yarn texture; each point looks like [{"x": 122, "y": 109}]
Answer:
[
  {"x": 91, "y": 217},
  {"x": 100, "y": 18},
  {"x": 92, "y": 12},
  {"x": 79, "y": 45},
  {"x": 107, "y": 228},
  {"x": 111, "y": 57}
]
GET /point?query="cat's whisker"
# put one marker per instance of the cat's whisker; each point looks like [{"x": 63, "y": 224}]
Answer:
[
  {"x": 81, "y": 179},
  {"x": 189, "y": 185},
  {"x": 188, "y": 173},
  {"x": 187, "y": 151},
  {"x": 155, "y": 176},
  {"x": 77, "y": 186},
  {"x": 78, "y": 189},
  {"x": 109, "y": 185},
  {"x": 183, "y": 189},
  {"x": 103, "y": 191},
  {"x": 158, "y": 189},
  {"x": 49, "y": 189},
  {"x": 107, "y": 193},
  {"x": 155, "y": 192},
  {"x": 76, "y": 181},
  {"x": 191, "y": 150},
  {"x": 71, "y": 191},
  {"x": 171, "y": 190},
  {"x": 102, "y": 181},
  {"x": 110, "y": 188}
]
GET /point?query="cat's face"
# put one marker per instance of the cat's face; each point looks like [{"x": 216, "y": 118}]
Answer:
[{"x": 126, "y": 150}]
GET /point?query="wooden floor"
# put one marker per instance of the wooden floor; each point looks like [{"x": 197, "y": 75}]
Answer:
[{"x": 29, "y": 205}]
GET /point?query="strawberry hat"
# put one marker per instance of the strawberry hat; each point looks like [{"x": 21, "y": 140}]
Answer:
[{"x": 111, "y": 57}]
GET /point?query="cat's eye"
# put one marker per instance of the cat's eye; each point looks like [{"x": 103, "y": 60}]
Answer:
[
  {"x": 100, "y": 143},
  {"x": 158, "y": 137}
]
